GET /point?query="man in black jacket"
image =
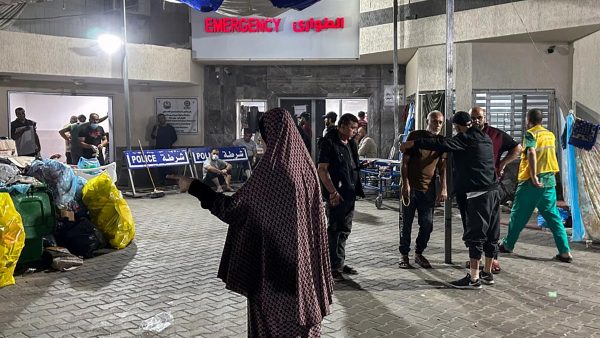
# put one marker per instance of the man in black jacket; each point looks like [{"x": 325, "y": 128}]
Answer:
[
  {"x": 474, "y": 175},
  {"x": 339, "y": 172}
]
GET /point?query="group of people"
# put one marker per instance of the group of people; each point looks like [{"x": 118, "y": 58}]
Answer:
[
  {"x": 478, "y": 165},
  {"x": 289, "y": 224},
  {"x": 85, "y": 139}
]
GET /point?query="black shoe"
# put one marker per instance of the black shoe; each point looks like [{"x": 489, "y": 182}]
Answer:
[
  {"x": 348, "y": 270},
  {"x": 486, "y": 278},
  {"x": 503, "y": 249},
  {"x": 564, "y": 259},
  {"x": 466, "y": 283},
  {"x": 337, "y": 276}
]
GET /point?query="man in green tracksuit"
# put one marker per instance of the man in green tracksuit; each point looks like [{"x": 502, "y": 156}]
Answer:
[{"x": 537, "y": 187}]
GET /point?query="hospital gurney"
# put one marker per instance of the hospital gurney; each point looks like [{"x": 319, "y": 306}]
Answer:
[{"x": 382, "y": 176}]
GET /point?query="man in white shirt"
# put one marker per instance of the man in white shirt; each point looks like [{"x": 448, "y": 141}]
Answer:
[{"x": 217, "y": 172}]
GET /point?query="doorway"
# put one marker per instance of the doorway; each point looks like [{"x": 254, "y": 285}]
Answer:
[
  {"x": 52, "y": 112},
  {"x": 315, "y": 108}
]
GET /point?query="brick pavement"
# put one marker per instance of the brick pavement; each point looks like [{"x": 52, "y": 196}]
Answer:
[{"x": 172, "y": 264}]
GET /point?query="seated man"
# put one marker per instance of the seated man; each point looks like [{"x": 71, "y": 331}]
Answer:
[
  {"x": 251, "y": 149},
  {"x": 367, "y": 148},
  {"x": 217, "y": 172}
]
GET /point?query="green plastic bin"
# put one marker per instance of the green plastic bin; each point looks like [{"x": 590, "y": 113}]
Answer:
[{"x": 39, "y": 219}]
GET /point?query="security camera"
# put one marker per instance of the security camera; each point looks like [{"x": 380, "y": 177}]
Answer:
[
  {"x": 226, "y": 70},
  {"x": 550, "y": 49}
]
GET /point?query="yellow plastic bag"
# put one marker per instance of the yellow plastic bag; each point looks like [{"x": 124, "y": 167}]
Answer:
[
  {"x": 12, "y": 239},
  {"x": 109, "y": 211}
]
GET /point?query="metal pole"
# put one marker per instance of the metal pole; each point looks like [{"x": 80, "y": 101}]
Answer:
[
  {"x": 126, "y": 81},
  {"x": 395, "y": 55},
  {"x": 449, "y": 113}
]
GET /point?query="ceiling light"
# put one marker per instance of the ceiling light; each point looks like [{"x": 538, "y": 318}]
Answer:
[{"x": 109, "y": 43}]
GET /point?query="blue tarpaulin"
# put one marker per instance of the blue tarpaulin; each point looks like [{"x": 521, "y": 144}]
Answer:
[
  {"x": 294, "y": 4},
  {"x": 573, "y": 189},
  {"x": 213, "y": 5},
  {"x": 203, "y": 5}
]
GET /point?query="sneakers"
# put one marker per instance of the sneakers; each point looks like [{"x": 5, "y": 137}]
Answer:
[
  {"x": 466, "y": 283},
  {"x": 486, "y": 278}
]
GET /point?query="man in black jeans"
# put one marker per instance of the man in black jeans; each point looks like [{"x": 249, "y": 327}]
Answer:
[
  {"x": 474, "y": 175},
  {"x": 419, "y": 167},
  {"x": 339, "y": 171}
]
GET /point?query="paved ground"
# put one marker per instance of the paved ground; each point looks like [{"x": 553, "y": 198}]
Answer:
[{"x": 172, "y": 264}]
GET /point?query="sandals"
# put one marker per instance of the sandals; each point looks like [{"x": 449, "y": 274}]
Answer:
[
  {"x": 404, "y": 263},
  {"x": 423, "y": 262}
]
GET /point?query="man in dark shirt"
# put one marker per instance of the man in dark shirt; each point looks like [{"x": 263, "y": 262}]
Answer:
[
  {"x": 90, "y": 138},
  {"x": 474, "y": 175},
  {"x": 163, "y": 133},
  {"x": 419, "y": 168},
  {"x": 339, "y": 172},
  {"x": 502, "y": 142},
  {"x": 23, "y": 131}
]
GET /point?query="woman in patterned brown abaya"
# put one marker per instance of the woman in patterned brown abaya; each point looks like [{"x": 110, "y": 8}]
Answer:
[{"x": 276, "y": 251}]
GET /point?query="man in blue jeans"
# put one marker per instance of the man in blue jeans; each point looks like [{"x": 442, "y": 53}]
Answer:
[{"x": 419, "y": 168}]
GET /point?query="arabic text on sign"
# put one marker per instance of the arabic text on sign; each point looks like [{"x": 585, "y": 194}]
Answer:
[
  {"x": 241, "y": 25},
  {"x": 303, "y": 26}
]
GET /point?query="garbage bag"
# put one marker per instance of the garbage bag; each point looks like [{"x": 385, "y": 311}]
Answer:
[
  {"x": 109, "y": 211},
  {"x": 12, "y": 239},
  {"x": 8, "y": 172},
  {"x": 66, "y": 187},
  {"x": 80, "y": 237},
  {"x": 89, "y": 163}
]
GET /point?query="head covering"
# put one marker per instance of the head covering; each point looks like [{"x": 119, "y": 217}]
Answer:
[
  {"x": 305, "y": 115},
  {"x": 276, "y": 251},
  {"x": 330, "y": 115},
  {"x": 462, "y": 118}
]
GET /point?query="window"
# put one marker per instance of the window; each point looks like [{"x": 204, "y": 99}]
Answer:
[
  {"x": 352, "y": 106},
  {"x": 248, "y": 113},
  {"x": 506, "y": 110}
]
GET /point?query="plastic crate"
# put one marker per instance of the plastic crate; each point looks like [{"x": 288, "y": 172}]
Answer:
[{"x": 39, "y": 219}]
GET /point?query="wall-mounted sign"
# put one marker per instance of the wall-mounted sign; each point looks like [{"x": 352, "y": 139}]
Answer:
[
  {"x": 181, "y": 113},
  {"x": 388, "y": 95},
  {"x": 327, "y": 30}
]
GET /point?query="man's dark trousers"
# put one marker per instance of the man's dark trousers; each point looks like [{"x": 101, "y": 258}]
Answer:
[
  {"x": 339, "y": 226},
  {"x": 482, "y": 226},
  {"x": 424, "y": 203}
]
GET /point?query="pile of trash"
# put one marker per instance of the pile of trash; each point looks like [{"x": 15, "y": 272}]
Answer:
[{"x": 86, "y": 217}]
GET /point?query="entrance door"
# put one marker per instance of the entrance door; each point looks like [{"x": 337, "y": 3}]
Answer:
[{"x": 316, "y": 109}]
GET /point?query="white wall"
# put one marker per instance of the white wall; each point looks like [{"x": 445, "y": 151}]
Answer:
[
  {"x": 520, "y": 66},
  {"x": 52, "y": 113},
  {"x": 492, "y": 21},
  {"x": 586, "y": 72},
  {"x": 142, "y": 106},
  {"x": 24, "y": 53}
]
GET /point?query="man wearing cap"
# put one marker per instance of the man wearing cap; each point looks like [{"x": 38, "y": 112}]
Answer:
[
  {"x": 474, "y": 175},
  {"x": 330, "y": 119}
]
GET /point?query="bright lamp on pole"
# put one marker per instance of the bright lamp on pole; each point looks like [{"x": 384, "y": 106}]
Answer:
[{"x": 109, "y": 43}]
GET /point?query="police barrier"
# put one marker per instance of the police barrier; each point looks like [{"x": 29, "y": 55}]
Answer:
[
  {"x": 227, "y": 154},
  {"x": 154, "y": 158}
]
